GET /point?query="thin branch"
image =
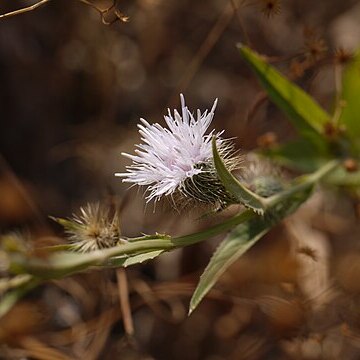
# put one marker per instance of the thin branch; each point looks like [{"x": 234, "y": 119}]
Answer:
[
  {"x": 124, "y": 301},
  {"x": 205, "y": 48},
  {"x": 25, "y": 9},
  {"x": 235, "y": 6},
  {"x": 260, "y": 99},
  {"x": 103, "y": 12}
]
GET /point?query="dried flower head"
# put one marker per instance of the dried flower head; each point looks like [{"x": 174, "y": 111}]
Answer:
[
  {"x": 343, "y": 56},
  {"x": 315, "y": 46},
  {"x": 261, "y": 176},
  {"x": 93, "y": 229},
  {"x": 177, "y": 161},
  {"x": 297, "y": 69}
]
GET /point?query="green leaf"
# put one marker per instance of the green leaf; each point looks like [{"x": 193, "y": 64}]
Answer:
[
  {"x": 234, "y": 187},
  {"x": 308, "y": 117},
  {"x": 241, "y": 239},
  {"x": 300, "y": 155},
  {"x": 236, "y": 244},
  {"x": 67, "y": 224},
  {"x": 133, "y": 260},
  {"x": 350, "y": 116}
]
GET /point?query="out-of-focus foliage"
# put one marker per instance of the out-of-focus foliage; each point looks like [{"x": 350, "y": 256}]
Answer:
[{"x": 351, "y": 108}]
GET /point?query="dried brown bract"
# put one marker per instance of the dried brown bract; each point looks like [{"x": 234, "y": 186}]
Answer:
[
  {"x": 350, "y": 165},
  {"x": 270, "y": 8},
  {"x": 315, "y": 48},
  {"x": 343, "y": 56},
  {"x": 309, "y": 252},
  {"x": 267, "y": 140},
  {"x": 297, "y": 69}
]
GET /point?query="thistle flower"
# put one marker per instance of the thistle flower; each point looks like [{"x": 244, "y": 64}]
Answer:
[
  {"x": 177, "y": 161},
  {"x": 93, "y": 229}
]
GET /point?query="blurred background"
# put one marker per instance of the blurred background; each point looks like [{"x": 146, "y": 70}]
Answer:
[{"x": 75, "y": 78}]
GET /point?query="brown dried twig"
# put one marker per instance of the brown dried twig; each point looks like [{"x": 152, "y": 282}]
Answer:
[
  {"x": 24, "y": 10},
  {"x": 124, "y": 301},
  {"x": 205, "y": 48},
  {"x": 235, "y": 6},
  {"x": 104, "y": 12},
  {"x": 117, "y": 14}
]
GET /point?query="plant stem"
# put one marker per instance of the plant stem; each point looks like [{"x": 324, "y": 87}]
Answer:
[
  {"x": 305, "y": 182},
  {"x": 62, "y": 263}
]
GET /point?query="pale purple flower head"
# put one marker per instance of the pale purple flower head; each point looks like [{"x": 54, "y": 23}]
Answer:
[{"x": 173, "y": 159}]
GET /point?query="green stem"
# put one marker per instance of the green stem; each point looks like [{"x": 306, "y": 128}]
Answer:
[
  {"x": 64, "y": 263},
  {"x": 305, "y": 182},
  {"x": 61, "y": 263},
  {"x": 214, "y": 230}
]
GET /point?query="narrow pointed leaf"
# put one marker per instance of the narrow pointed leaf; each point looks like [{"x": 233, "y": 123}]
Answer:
[
  {"x": 350, "y": 93},
  {"x": 234, "y": 187},
  {"x": 308, "y": 117},
  {"x": 241, "y": 239},
  {"x": 134, "y": 259},
  {"x": 236, "y": 244}
]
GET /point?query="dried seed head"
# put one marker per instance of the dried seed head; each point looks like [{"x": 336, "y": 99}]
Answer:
[
  {"x": 297, "y": 69},
  {"x": 93, "y": 229},
  {"x": 261, "y": 176},
  {"x": 315, "y": 45},
  {"x": 331, "y": 131}
]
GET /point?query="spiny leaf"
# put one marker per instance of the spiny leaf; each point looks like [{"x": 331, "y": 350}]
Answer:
[
  {"x": 305, "y": 113},
  {"x": 234, "y": 187}
]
